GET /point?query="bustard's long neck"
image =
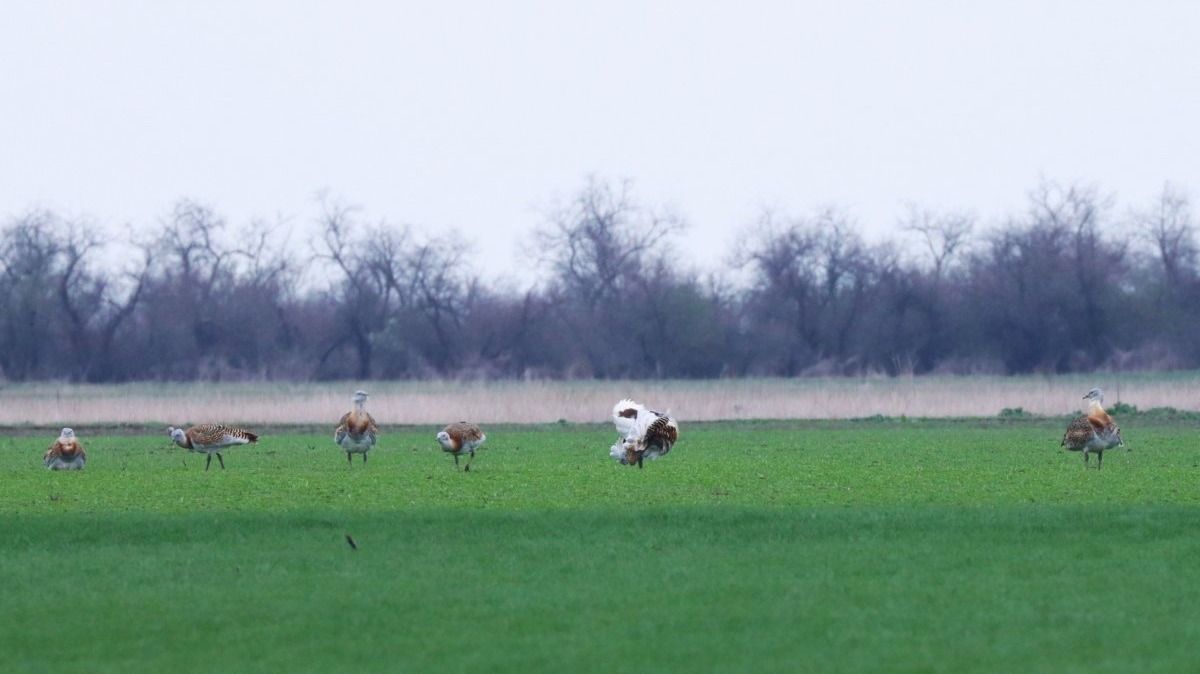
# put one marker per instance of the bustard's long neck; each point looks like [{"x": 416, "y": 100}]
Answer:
[
  {"x": 360, "y": 406},
  {"x": 1095, "y": 406}
]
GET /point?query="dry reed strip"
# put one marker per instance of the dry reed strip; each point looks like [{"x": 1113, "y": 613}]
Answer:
[{"x": 542, "y": 402}]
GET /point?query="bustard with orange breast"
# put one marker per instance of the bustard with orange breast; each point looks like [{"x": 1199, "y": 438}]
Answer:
[
  {"x": 642, "y": 433},
  {"x": 1093, "y": 432},
  {"x": 66, "y": 453},
  {"x": 356, "y": 432},
  {"x": 461, "y": 437},
  {"x": 211, "y": 439}
]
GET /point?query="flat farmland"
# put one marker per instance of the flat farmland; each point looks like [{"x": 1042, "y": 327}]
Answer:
[{"x": 882, "y": 545}]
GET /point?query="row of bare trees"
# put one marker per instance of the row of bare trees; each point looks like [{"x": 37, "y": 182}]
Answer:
[{"x": 1069, "y": 284}]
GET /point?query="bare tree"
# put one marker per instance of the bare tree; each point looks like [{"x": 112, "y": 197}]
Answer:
[
  {"x": 1167, "y": 226},
  {"x": 29, "y": 263},
  {"x": 944, "y": 235},
  {"x": 360, "y": 294},
  {"x": 600, "y": 236},
  {"x": 811, "y": 279}
]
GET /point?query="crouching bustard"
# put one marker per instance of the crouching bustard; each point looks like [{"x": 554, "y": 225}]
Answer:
[
  {"x": 211, "y": 439},
  {"x": 1093, "y": 432},
  {"x": 642, "y": 433},
  {"x": 461, "y": 438},
  {"x": 356, "y": 431},
  {"x": 66, "y": 453}
]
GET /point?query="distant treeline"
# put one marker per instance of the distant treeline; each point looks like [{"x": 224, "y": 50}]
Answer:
[{"x": 1069, "y": 284}]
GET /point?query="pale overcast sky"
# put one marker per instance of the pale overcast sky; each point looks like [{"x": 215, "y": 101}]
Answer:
[{"x": 477, "y": 115}]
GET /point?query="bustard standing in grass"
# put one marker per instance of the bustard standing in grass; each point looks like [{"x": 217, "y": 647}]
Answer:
[
  {"x": 461, "y": 437},
  {"x": 211, "y": 439},
  {"x": 1093, "y": 432},
  {"x": 356, "y": 431},
  {"x": 642, "y": 433},
  {"x": 66, "y": 453}
]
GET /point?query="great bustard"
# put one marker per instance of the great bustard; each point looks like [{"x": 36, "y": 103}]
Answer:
[
  {"x": 461, "y": 437},
  {"x": 211, "y": 439},
  {"x": 66, "y": 453},
  {"x": 1093, "y": 432},
  {"x": 642, "y": 433},
  {"x": 356, "y": 431}
]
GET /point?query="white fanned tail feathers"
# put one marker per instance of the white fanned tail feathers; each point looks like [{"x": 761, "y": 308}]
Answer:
[{"x": 625, "y": 414}]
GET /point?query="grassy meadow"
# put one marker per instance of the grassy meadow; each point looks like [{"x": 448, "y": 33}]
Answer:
[{"x": 777, "y": 546}]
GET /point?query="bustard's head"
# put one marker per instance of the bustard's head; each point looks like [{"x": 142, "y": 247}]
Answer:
[
  {"x": 176, "y": 434},
  {"x": 67, "y": 434},
  {"x": 1095, "y": 394},
  {"x": 443, "y": 439},
  {"x": 360, "y": 397}
]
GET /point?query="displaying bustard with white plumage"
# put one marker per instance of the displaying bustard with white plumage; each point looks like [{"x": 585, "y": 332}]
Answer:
[
  {"x": 1093, "y": 432},
  {"x": 66, "y": 453},
  {"x": 211, "y": 439},
  {"x": 642, "y": 433},
  {"x": 356, "y": 432},
  {"x": 461, "y": 437}
]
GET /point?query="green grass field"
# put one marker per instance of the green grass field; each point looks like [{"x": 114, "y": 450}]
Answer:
[{"x": 905, "y": 546}]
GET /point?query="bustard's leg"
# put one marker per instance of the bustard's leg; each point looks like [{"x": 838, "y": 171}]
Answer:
[
  {"x": 221, "y": 459},
  {"x": 1099, "y": 460},
  {"x": 208, "y": 462},
  {"x": 455, "y": 461},
  {"x": 468, "y": 468},
  {"x": 1085, "y": 458},
  {"x": 349, "y": 461},
  {"x": 364, "y": 457},
  {"x": 639, "y": 461}
]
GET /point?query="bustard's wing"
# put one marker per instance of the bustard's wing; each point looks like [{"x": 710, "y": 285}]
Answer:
[
  {"x": 645, "y": 419},
  {"x": 469, "y": 432},
  {"x": 463, "y": 432},
  {"x": 214, "y": 435},
  {"x": 662, "y": 431},
  {"x": 339, "y": 433},
  {"x": 372, "y": 427},
  {"x": 53, "y": 452},
  {"x": 1079, "y": 431}
]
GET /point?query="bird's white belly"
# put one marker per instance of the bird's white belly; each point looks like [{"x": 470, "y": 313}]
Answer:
[
  {"x": 66, "y": 464},
  {"x": 1101, "y": 442},
  {"x": 358, "y": 445},
  {"x": 654, "y": 451},
  {"x": 225, "y": 443}
]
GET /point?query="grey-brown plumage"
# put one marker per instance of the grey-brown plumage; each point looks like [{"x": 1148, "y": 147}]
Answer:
[
  {"x": 211, "y": 439},
  {"x": 356, "y": 431},
  {"x": 66, "y": 453},
  {"x": 461, "y": 437},
  {"x": 1094, "y": 432}
]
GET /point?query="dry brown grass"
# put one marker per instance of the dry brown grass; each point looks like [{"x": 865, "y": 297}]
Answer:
[{"x": 540, "y": 402}]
